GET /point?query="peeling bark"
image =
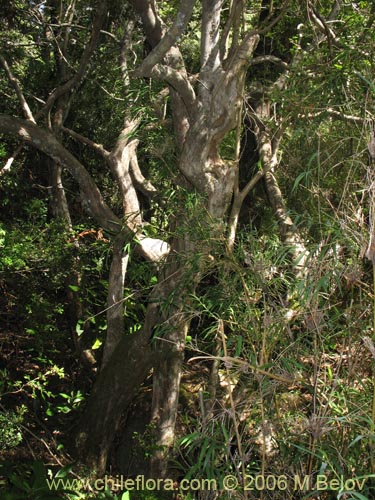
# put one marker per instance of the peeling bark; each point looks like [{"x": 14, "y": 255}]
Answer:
[
  {"x": 210, "y": 38},
  {"x": 200, "y": 131},
  {"x": 208, "y": 119},
  {"x": 119, "y": 161}
]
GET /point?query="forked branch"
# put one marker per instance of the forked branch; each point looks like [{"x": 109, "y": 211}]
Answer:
[
  {"x": 85, "y": 59},
  {"x": 168, "y": 40}
]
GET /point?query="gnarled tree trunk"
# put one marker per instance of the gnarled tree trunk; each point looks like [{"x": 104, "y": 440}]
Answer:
[{"x": 201, "y": 124}]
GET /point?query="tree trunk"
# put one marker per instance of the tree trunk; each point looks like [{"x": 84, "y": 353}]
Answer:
[
  {"x": 159, "y": 344},
  {"x": 201, "y": 164},
  {"x": 113, "y": 391},
  {"x": 166, "y": 389},
  {"x": 115, "y": 299},
  {"x": 180, "y": 281}
]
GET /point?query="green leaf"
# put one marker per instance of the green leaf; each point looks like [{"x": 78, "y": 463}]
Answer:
[
  {"x": 238, "y": 346},
  {"x": 39, "y": 475},
  {"x": 358, "y": 438},
  {"x": 96, "y": 344},
  {"x": 79, "y": 329}
]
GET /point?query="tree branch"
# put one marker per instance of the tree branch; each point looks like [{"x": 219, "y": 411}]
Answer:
[
  {"x": 322, "y": 26},
  {"x": 210, "y": 37},
  {"x": 10, "y": 160},
  {"x": 269, "y": 58},
  {"x": 129, "y": 127},
  {"x": 125, "y": 49},
  {"x": 119, "y": 162},
  {"x": 236, "y": 208},
  {"x": 179, "y": 82},
  {"x": 335, "y": 10},
  {"x": 274, "y": 21},
  {"x": 250, "y": 185},
  {"x": 154, "y": 29},
  {"x": 169, "y": 39},
  {"x": 84, "y": 140},
  {"x": 17, "y": 87},
  {"x": 233, "y": 23},
  {"x": 87, "y": 53},
  {"x": 47, "y": 143},
  {"x": 143, "y": 184},
  {"x": 152, "y": 24},
  {"x": 335, "y": 114},
  {"x": 152, "y": 249},
  {"x": 243, "y": 55},
  {"x": 289, "y": 234}
]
